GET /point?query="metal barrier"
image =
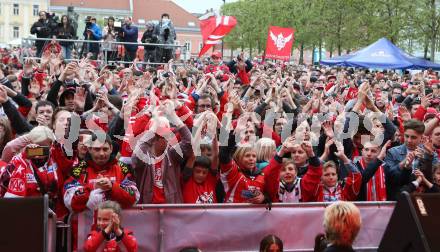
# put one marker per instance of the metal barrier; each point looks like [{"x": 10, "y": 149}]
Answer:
[
  {"x": 238, "y": 227},
  {"x": 113, "y": 61},
  {"x": 109, "y": 43}
]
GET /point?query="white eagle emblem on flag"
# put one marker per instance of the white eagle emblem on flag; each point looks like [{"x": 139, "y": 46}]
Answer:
[{"x": 280, "y": 41}]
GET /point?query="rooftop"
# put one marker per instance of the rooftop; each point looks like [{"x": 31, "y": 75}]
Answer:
[
  {"x": 96, "y": 4},
  {"x": 153, "y": 9}
]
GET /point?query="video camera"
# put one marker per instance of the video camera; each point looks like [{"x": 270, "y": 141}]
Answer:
[{"x": 118, "y": 25}]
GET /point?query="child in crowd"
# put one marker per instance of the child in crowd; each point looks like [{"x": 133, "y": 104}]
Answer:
[
  {"x": 294, "y": 189},
  {"x": 333, "y": 190},
  {"x": 110, "y": 235},
  {"x": 271, "y": 243},
  {"x": 199, "y": 186}
]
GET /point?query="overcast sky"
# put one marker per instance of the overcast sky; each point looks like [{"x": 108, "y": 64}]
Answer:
[{"x": 200, "y": 6}]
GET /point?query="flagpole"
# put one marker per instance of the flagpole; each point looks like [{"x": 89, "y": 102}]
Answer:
[{"x": 224, "y": 1}]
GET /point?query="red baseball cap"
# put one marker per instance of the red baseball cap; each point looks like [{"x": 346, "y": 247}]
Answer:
[{"x": 216, "y": 54}]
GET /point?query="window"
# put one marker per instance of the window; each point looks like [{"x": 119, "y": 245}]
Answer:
[
  {"x": 15, "y": 10},
  {"x": 36, "y": 10},
  {"x": 188, "y": 46},
  {"x": 16, "y": 32}
]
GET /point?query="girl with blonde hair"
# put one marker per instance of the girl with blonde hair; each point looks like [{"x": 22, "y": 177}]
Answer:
[{"x": 266, "y": 150}]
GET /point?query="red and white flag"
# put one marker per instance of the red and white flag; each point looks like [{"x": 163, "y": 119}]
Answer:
[
  {"x": 214, "y": 29},
  {"x": 279, "y": 43}
]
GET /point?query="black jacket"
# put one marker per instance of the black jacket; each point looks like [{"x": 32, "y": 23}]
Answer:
[
  {"x": 45, "y": 31},
  {"x": 65, "y": 33},
  {"x": 149, "y": 37}
]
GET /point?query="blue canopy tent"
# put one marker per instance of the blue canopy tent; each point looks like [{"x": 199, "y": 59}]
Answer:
[{"x": 381, "y": 54}]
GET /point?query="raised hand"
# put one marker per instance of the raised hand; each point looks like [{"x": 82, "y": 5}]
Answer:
[
  {"x": 327, "y": 126},
  {"x": 384, "y": 149},
  {"x": 340, "y": 153},
  {"x": 429, "y": 148},
  {"x": 3, "y": 94},
  {"x": 328, "y": 142},
  {"x": 116, "y": 224},
  {"x": 308, "y": 148},
  {"x": 425, "y": 101},
  {"x": 419, "y": 176},
  {"x": 80, "y": 98},
  {"x": 409, "y": 159}
]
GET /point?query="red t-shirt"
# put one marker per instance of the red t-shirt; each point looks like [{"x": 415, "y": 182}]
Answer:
[
  {"x": 158, "y": 190},
  {"x": 204, "y": 193}
]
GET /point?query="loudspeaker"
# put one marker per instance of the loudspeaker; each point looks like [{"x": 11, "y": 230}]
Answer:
[
  {"x": 414, "y": 225},
  {"x": 27, "y": 225}
]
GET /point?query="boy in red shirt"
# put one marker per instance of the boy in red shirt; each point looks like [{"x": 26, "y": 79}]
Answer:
[
  {"x": 109, "y": 235},
  {"x": 199, "y": 182}
]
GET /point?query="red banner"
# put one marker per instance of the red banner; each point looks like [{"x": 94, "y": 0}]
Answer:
[
  {"x": 214, "y": 29},
  {"x": 279, "y": 43}
]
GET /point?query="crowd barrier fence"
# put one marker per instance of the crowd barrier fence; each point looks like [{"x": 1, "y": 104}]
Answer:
[{"x": 238, "y": 227}]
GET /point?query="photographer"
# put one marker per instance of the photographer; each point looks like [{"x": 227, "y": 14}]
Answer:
[
  {"x": 43, "y": 29},
  {"x": 91, "y": 32},
  {"x": 129, "y": 34},
  {"x": 166, "y": 35},
  {"x": 109, "y": 34},
  {"x": 66, "y": 31},
  {"x": 149, "y": 37},
  {"x": 34, "y": 162}
]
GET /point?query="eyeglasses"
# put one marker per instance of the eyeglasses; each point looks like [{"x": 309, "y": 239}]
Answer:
[{"x": 205, "y": 106}]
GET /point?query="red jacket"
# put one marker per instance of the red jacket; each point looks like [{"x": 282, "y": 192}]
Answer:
[
  {"x": 97, "y": 242},
  {"x": 235, "y": 182},
  {"x": 79, "y": 191},
  {"x": 23, "y": 182},
  {"x": 244, "y": 76}
]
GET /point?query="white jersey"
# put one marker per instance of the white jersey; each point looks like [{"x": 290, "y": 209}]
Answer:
[{"x": 290, "y": 196}]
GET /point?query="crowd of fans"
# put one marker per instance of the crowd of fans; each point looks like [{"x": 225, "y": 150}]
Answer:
[{"x": 212, "y": 131}]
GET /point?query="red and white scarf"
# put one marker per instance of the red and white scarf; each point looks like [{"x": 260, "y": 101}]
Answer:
[{"x": 376, "y": 189}]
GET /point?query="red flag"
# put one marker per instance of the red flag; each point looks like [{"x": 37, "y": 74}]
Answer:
[
  {"x": 214, "y": 29},
  {"x": 279, "y": 43}
]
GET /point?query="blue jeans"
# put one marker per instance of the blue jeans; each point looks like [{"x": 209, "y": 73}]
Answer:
[{"x": 67, "y": 52}]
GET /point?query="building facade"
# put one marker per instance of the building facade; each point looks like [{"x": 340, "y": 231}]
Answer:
[{"x": 17, "y": 17}]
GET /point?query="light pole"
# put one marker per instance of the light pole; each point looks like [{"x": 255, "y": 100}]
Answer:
[{"x": 224, "y": 1}]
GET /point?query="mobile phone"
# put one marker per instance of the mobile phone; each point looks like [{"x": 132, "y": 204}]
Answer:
[
  {"x": 38, "y": 151},
  {"x": 247, "y": 194},
  {"x": 428, "y": 91}
]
